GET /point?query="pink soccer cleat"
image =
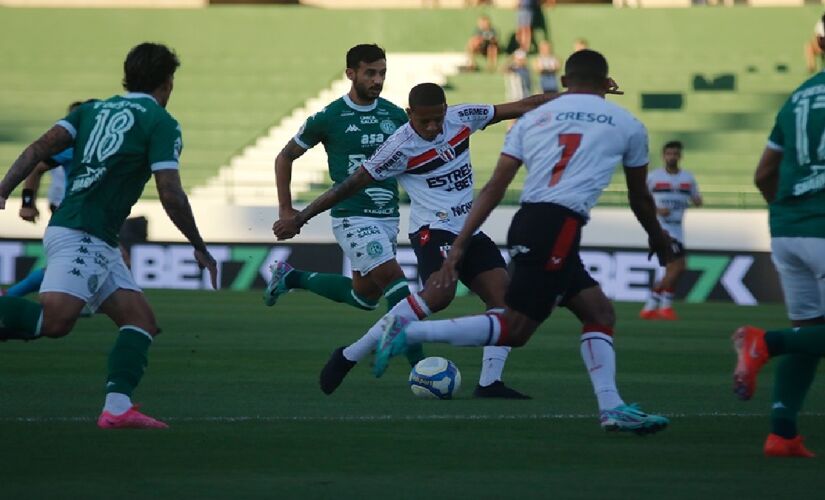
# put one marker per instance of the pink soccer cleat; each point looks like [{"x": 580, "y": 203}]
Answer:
[{"x": 132, "y": 419}]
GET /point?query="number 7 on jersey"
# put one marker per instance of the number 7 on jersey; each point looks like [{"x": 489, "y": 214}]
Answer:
[{"x": 569, "y": 144}]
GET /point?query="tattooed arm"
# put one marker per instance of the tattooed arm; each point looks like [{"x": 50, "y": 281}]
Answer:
[
  {"x": 288, "y": 227},
  {"x": 55, "y": 140}
]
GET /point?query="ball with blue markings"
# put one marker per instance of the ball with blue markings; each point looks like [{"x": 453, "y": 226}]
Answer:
[{"x": 435, "y": 378}]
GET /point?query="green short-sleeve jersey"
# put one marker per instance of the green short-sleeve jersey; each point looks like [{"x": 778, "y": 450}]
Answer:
[
  {"x": 350, "y": 134},
  {"x": 118, "y": 143},
  {"x": 799, "y": 133}
]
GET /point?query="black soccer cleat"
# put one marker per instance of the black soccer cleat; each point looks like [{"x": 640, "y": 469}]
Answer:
[
  {"x": 335, "y": 370},
  {"x": 498, "y": 390}
]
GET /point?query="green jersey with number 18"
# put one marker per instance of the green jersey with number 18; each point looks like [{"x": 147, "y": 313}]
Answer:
[
  {"x": 350, "y": 134},
  {"x": 118, "y": 143},
  {"x": 799, "y": 207}
]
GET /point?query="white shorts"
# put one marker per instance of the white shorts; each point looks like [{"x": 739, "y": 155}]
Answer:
[
  {"x": 801, "y": 266},
  {"x": 83, "y": 265},
  {"x": 368, "y": 242}
]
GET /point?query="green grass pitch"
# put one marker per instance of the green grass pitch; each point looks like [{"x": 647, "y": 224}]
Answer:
[{"x": 238, "y": 384}]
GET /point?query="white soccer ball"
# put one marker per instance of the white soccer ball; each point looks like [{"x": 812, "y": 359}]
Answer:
[{"x": 435, "y": 378}]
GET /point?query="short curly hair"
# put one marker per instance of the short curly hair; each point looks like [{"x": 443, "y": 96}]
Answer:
[{"x": 148, "y": 66}]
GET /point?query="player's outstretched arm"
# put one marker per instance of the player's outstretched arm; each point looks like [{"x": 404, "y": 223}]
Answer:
[
  {"x": 283, "y": 176},
  {"x": 644, "y": 208},
  {"x": 766, "y": 176},
  {"x": 488, "y": 198},
  {"x": 55, "y": 140},
  {"x": 176, "y": 204},
  {"x": 286, "y": 228},
  {"x": 512, "y": 110}
]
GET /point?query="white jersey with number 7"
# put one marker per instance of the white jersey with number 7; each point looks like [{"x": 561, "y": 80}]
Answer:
[{"x": 571, "y": 146}]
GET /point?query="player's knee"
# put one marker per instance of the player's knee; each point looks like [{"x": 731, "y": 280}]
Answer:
[{"x": 55, "y": 328}]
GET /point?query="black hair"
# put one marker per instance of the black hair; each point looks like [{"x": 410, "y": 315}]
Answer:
[
  {"x": 75, "y": 104},
  {"x": 364, "y": 53},
  {"x": 672, "y": 145},
  {"x": 426, "y": 94},
  {"x": 148, "y": 66},
  {"x": 586, "y": 66}
]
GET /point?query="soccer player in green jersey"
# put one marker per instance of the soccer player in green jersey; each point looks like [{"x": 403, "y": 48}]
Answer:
[
  {"x": 119, "y": 144},
  {"x": 791, "y": 177}
]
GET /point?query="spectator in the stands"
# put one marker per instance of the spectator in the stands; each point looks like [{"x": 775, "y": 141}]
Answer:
[
  {"x": 484, "y": 42},
  {"x": 546, "y": 65}
]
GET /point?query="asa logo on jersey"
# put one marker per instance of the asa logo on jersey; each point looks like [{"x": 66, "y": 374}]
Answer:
[{"x": 372, "y": 139}]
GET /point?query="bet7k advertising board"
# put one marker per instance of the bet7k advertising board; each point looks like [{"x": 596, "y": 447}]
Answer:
[{"x": 746, "y": 278}]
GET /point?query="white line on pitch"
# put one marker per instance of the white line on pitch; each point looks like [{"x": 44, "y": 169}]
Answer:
[{"x": 388, "y": 418}]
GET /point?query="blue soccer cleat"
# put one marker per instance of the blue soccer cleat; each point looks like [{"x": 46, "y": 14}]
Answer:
[
  {"x": 277, "y": 286},
  {"x": 631, "y": 418},
  {"x": 393, "y": 342}
]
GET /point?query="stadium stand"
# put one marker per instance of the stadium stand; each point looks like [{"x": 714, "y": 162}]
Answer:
[{"x": 246, "y": 70}]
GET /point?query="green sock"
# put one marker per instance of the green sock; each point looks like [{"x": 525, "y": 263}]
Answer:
[
  {"x": 803, "y": 340},
  {"x": 395, "y": 293},
  {"x": 128, "y": 360},
  {"x": 794, "y": 374},
  {"x": 20, "y": 319},
  {"x": 332, "y": 286}
]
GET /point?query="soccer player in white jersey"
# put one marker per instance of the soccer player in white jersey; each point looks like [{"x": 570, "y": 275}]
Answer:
[
  {"x": 430, "y": 157},
  {"x": 571, "y": 147},
  {"x": 673, "y": 189}
]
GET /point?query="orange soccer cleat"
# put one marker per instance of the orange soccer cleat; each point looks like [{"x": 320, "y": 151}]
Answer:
[
  {"x": 132, "y": 419},
  {"x": 751, "y": 356},
  {"x": 777, "y": 446},
  {"x": 667, "y": 313},
  {"x": 648, "y": 314}
]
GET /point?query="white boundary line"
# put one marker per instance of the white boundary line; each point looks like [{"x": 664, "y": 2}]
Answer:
[{"x": 391, "y": 418}]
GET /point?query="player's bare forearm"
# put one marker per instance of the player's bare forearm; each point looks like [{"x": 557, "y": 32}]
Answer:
[
  {"x": 33, "y": 179},
  {"x": 176, "y": 205},
  {"x": 334, "y": 195},
  {"x": 766, "y": 176},
  {"x": 511, "y": 110},
  {"x": 641, "y": 201},
  {"x": 55, "y": 140},
  {"x": 283, "y": 173}
]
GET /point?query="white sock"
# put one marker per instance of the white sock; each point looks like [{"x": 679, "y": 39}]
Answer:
[
  {"x": 492, "y": 364},
  {"x": 484, "y": 329},
  {"x": 667, "y": 299},
  {"x": 117, "y": 404},
  {"x": 600, "y": 360},
  {"x": 652, "y": 301},
  {"x": 413, "y": 308}
]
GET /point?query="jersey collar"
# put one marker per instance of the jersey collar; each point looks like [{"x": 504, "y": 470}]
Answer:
[
  {"x": 138, "y": 95},
  {"x": 358, "y": 107}
]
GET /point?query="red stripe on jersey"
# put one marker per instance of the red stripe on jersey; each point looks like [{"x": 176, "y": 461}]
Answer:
[
  {"x": 662, "y": 185},
  {"x": 460, "y": 136},
  {"x": 564, "y": 243},
  {"x": 417, "y": 161},
  {"x": 422, "y": 158},
  {"x": 685, "y": 185}
]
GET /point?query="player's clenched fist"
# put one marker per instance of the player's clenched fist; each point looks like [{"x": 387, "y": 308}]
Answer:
[{"x": 286, "y": 228}]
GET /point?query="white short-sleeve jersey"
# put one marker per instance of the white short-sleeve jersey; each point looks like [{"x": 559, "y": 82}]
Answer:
[
  {"x": 571, "y": 146},
  {"x": 437, "y": 174},
  {"x": 674, "y": 192}
]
